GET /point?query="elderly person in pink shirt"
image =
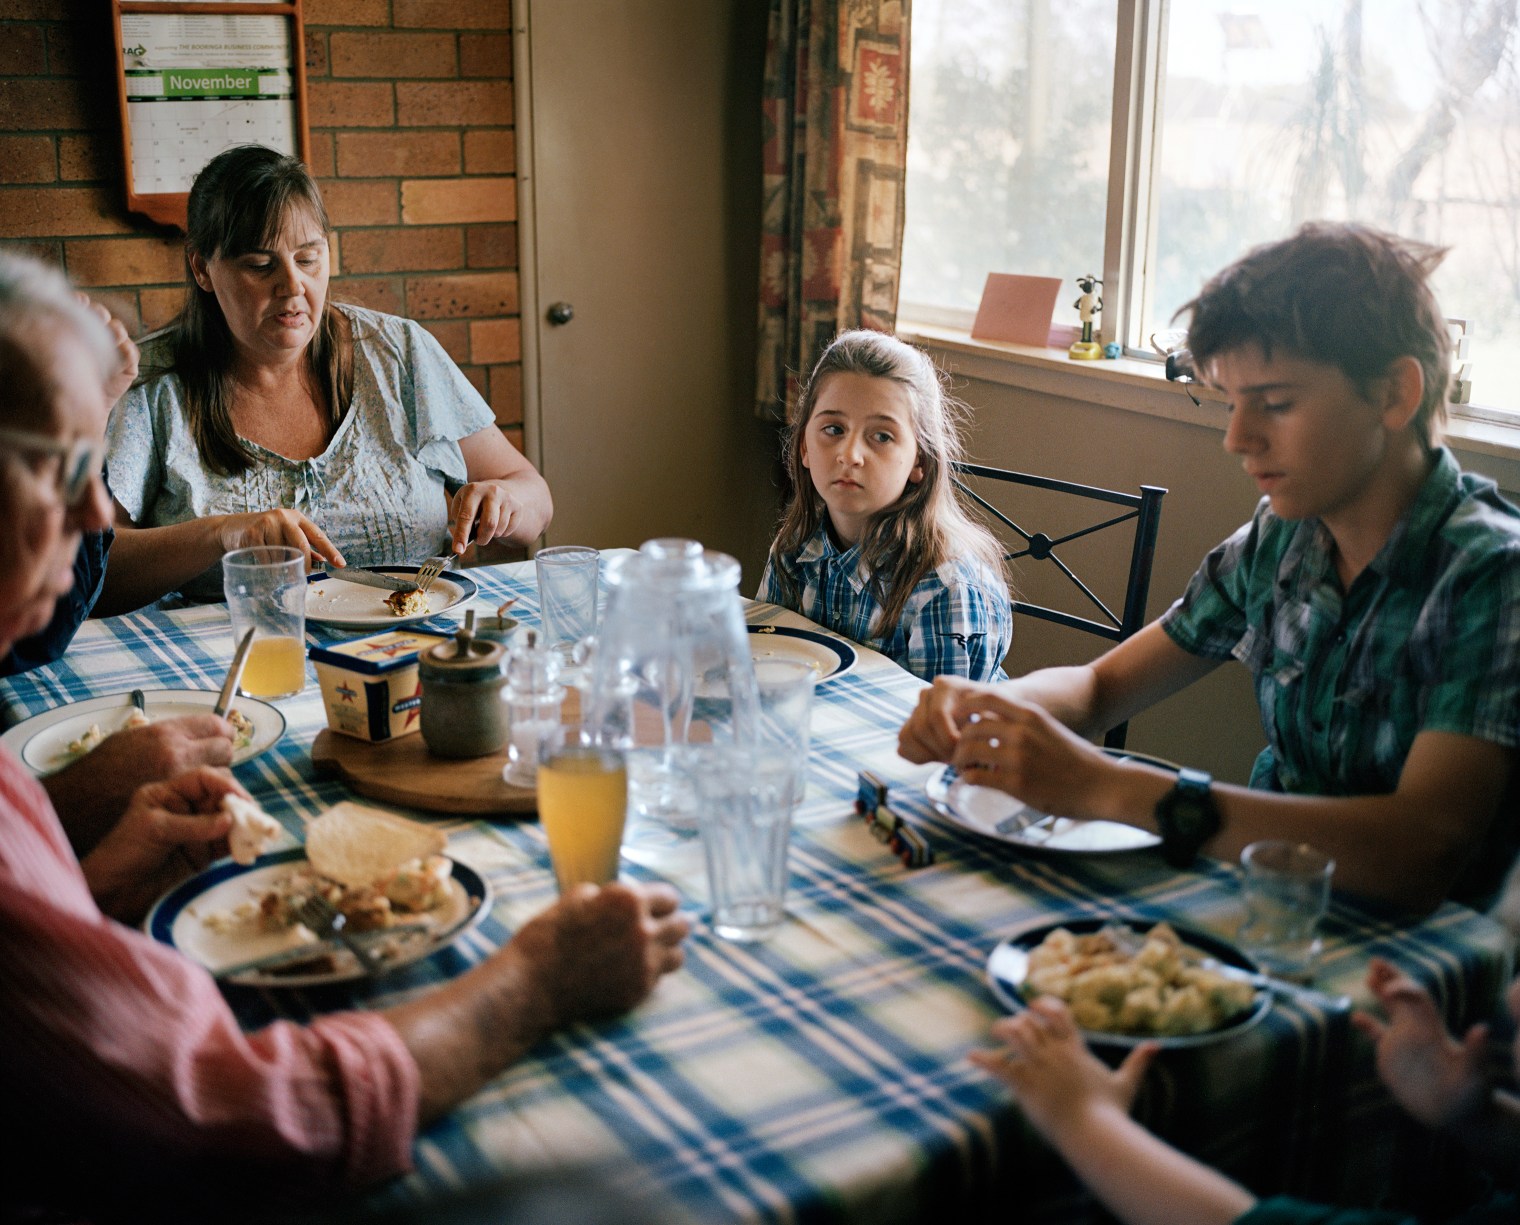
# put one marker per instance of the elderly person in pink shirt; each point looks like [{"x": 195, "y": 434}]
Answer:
[{"x": 123, "y": 1074}]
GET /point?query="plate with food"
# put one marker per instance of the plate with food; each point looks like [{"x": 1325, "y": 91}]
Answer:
[
  {"x": 398, "y": 893},
  {"x": 829, "y": 656},
  {"x": 59, "y": 737},
  {"x": 333, "y": 600},
  {"x": 1131, "y": 980},
  {"x": 995, "y": 814}
]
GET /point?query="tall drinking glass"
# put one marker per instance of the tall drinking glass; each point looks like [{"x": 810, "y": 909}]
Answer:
[
  {"x": 582, "y": 802},
  {"x": 266, "y": 592},
  {"x": 1286, "y": 890},
  {"x": 785, "y": 688},
  {"x": 567, "y": 580},
  {"x": 747, "y": 800}
]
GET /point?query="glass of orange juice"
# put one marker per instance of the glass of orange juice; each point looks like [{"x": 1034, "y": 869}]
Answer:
[
  {"x": 266, "y": 592},
  {"x": 582, "y": 802}
]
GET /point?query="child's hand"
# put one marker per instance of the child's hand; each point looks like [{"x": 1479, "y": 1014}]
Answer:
[
  {"x": 1055, "y": 1079},
  {"x": 1437, "y": 1079}
]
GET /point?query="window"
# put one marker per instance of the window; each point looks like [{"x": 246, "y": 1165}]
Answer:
[{"x": 1239, "y": 121}]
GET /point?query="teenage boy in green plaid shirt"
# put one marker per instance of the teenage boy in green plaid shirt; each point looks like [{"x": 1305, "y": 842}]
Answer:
[{"x": 1375, "y": 596}]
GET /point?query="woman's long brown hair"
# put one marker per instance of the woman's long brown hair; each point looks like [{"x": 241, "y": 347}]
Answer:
[
  {"x": 239, "y": 203},
  {"x": 927, "y": 526}
]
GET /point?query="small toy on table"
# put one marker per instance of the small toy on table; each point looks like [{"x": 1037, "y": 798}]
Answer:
[{"x": 886, "y": 826}]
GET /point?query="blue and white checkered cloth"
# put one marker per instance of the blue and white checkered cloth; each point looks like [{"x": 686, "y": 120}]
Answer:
[{"x": 822, "y": 1075}]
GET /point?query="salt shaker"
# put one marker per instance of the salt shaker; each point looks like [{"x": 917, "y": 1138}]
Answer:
[{"x": 533, "y": 696}]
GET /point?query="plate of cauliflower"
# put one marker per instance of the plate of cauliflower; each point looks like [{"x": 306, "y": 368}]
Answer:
[{"x": 1132, "y": 980}]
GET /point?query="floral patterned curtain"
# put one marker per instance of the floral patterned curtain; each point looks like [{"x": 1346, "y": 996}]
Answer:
[{"x": 836, "y": 134}]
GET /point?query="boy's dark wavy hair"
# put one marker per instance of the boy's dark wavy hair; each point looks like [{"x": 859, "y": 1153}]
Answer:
[
  {"x": 927, "y": 526},
  {"x": 1345, "y": 294},
  {"x": 238, "y": 203}
]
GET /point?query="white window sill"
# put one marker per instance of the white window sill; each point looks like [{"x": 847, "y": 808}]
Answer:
[{"x": 1492, "y": 448}]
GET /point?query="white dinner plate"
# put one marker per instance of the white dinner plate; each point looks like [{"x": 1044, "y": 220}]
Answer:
[
  {"x": 331, "y": 601},
  {"x": 829, "y": 655},
  {"x": 42, "y": 741},
  {"x": 179, "y": 919},
  {"x": 996, "y": 814},
  {"x": 1008, "y": 966}
]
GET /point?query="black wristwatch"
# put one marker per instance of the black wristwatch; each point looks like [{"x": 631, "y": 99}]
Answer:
[{"x": 1187, "y": 817}]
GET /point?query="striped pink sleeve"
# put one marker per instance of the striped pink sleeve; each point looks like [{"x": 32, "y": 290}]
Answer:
[{"x": 139, "y": 1043}]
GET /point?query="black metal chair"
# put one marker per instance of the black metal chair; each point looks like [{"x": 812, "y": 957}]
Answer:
[{"x": 1143, "y": 509}]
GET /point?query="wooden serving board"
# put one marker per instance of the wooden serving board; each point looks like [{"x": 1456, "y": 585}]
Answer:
[{"x": 402, "y": 771}]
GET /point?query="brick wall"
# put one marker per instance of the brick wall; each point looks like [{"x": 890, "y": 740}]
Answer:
[{"x": 412, "y": 141}]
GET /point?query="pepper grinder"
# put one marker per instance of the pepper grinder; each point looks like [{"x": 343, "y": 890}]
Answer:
[{"x": 533, "y": 695}]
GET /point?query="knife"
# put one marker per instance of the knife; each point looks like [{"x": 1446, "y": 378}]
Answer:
[
  {"x": 234, "y": 675},
  {"x": 369, "y": 578}
]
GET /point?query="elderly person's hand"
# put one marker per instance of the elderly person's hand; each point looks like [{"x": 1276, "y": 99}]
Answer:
[
  {"x": 595, "y": 953},
  {"x": 90, "y": 793},
  {"x": 126, "y": 352},
  {"x": 287, "y": 527},
  {"x": 169, "y": 831}
]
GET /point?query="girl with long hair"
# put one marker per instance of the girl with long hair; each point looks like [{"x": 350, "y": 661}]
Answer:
[{"x": 875, "y": 543}]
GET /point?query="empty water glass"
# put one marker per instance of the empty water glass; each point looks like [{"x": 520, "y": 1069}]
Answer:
[
  {"x": 567, "y": 594},
  {"x": 1286, "y": 889}
]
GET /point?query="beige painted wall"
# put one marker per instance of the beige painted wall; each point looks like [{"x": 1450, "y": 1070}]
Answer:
[{"x": 1213, "y": 725}]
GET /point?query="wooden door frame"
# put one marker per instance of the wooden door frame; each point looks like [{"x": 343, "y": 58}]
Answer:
[{"x": 529, "y": 316}]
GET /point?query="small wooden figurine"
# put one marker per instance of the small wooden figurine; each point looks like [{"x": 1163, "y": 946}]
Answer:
[{"x": 886, "y": 826}]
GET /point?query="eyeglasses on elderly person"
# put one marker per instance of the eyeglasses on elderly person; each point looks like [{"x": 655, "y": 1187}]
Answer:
[{"x": 81, "y": 459}]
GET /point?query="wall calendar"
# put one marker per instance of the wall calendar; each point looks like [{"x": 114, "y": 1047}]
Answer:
[{"x": 196, "y": 77}]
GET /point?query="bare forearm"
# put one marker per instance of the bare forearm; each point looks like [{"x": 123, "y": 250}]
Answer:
[
  {"x": 464, "y": 1034},
  {"x": 86, "y": 808},
  {"x": 147, "y": 562},
  {"x": 1070, "y": 694},
  {"x": 1143, "y": 1180}
]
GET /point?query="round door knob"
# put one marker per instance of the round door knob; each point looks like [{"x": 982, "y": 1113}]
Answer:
[{"x": 561, "y": 313}]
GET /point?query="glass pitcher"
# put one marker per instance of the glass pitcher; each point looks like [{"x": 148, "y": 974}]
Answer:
[{"x": 673, "y": 670}]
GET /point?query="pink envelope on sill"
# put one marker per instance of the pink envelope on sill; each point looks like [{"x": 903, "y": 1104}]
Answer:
[{"x": 1016, "y": 308}]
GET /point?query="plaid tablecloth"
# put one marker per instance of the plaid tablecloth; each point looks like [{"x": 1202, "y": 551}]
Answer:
[{"x": 822, "y": 1075}]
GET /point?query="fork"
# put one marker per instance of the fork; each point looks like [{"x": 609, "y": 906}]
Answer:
[
  {"x": 428, "y": 572},
  {"x": 326, "y": 920}
]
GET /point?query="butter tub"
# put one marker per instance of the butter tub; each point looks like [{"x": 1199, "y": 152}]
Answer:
[{"x": 370, "y": 685}]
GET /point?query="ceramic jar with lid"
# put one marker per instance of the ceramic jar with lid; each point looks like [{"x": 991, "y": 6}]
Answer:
[{"x": 462, "y": 710}]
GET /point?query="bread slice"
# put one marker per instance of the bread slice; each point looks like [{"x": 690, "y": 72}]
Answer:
[
  {"x": 357, "y": 846},
  {"x": 252, "y": 830}
]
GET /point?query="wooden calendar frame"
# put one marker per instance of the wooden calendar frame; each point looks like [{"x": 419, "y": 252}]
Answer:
[{"x": 168, "y": 207}]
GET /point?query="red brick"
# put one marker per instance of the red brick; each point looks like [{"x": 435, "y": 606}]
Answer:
[
  {"x": 425, "y": 201},
  {"x": 28, "y": 159},
  {"x": 159, "y": 306},
  {"x": 469, "y": 295},
  {"x": 450, "y": 103},
  {"x": 94, "y": 156},
  {"x": 479, "y": 380},
  {"x": 490, "y": 151},
  {"x": 453, "y": 14},
  {"x": 47, "y": 252},
  {"x": 51, "y": 103},
  {"x": 380, "y": 294},
  {"x": 496, "y": 341},
  {"x": 485, "y": 55},
  {"x": 490, "y": 246},
  {"x": 376, "y": 154},
  {"x": 125, "y": 261},
  {"x": 22, "y": 52},
  {"x": 363, "y": 203},
  {"x": 348, "y": 104},
  {"x": 76, "y": 48},
  {"x": 403, "y": 249},
  {"x": 316, "y": 53},
  {"x": 454, "y": 337},
  {"x": 506, "y": 394},
  {"x": 321, "y": 161},
  {"x": 394, "y": 56},
  {"x": 45, "y": 212},
  {"x": 347, "y": 12}
]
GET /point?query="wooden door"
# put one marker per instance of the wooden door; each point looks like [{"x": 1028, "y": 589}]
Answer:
[{"x": 639, "y": 190}]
